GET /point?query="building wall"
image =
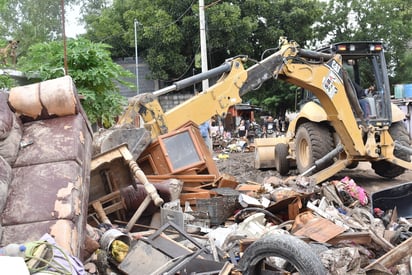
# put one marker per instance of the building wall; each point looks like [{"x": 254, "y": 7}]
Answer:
[{"x": 146, "y": 85}]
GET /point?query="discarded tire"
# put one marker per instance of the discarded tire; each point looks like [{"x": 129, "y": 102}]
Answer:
[
  {"x": 294, "y": 254},
  {"x": 387, "y": 169}
]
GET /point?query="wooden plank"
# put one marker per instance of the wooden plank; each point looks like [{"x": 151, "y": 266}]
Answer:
[
  {"x": 391, "y": 258},
  {"x": 192, "y": 197},
  {"x": 362, "y": 238},
  {"x": 320, "y": 230},
  {"x": 184, "y": 178},
  {"x": 187, "y": 189},
  {"x": 228, "y": 181},
  {"x": 197, "y": 195}
]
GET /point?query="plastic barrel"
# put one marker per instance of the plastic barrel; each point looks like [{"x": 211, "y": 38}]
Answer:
[
  {"x": 399, "y": 91},
  {"x": 408, "y": 90}
]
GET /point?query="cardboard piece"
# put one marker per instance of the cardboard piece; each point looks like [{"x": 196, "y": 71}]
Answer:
[{"x": 320, "y": 230}]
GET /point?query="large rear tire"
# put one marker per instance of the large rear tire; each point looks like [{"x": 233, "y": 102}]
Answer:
[
  {"x": 281, "y": 161},
  {"x": 387, "y": 169},
  {"x": 313, "y": 141},
  {"x": 274, "y": 254}
]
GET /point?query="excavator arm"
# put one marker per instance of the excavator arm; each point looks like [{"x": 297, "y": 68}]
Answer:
[
  {"x": 321, "y": 73},
  {"x": 234, "y": 82}
]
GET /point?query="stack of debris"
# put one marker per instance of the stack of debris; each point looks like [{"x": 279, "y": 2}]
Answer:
[{"x": 211, "y": 224}]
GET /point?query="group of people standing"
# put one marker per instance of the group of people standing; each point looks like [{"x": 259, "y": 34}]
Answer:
[
  {"x": 274, "y": 127},
  {"x": 247, "y": 129}
]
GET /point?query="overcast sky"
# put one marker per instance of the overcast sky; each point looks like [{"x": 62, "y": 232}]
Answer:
[{"x": 73, "y": 26}]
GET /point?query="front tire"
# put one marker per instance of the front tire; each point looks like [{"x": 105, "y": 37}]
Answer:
[
  {"x": 294, "y": 255},
  {"x": 313, "y": 141},
  {"x": 387, "y": 169},
  {"x": 281, "y": 161}
]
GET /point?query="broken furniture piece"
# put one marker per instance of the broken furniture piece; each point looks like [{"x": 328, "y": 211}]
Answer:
[
  {"x": 180, "y": 152},
  {"x": 122, "y": 152},
  {"x": 49, "y": 187},
  {"x": 158, "y": 254}
]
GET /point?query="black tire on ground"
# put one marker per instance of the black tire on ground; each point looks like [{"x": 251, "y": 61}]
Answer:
[
  {"x": 353, "y": 165},
  {"x": 387, "y": 169},
  {"x": 281, "y": 161},
  {"x": 297, "y": 253},
  {"x": 313, "y": 141}
]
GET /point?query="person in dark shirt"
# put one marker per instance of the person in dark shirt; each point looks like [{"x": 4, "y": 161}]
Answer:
[{"x": 361, "y": 94}]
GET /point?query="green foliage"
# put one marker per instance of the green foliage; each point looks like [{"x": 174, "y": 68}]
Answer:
[
  {"x": 404, "y": 70},
  {"x": 31, "y": 21},
  {"x": 383, "y": 20},
  {"x": 7, "y": 82},
  {"x": 168, "y": 37},
  {"x": 94, "y": 73}
]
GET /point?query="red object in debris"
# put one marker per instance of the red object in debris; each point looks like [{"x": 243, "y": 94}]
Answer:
[{"x": 378, "y": 212}]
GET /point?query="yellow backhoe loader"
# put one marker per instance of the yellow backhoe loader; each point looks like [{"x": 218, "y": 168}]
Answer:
[{"x": 330, "y": 133}]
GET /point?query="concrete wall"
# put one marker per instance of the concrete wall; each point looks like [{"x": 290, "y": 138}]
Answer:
[{"x": 146, "y": 85}]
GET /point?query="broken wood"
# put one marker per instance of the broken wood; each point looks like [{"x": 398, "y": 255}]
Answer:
[
  {"x": 100, "y": 212},
  {"x": 393, "y": 256},
  {"x": 184, "y": 178}
]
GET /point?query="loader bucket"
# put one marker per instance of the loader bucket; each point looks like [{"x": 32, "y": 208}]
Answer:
[
  {"x": 265, "y": 152},
  {"x": 137, "y": 140}
]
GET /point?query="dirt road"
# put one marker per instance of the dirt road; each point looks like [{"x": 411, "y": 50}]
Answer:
[{"x": 241, "y": 166}]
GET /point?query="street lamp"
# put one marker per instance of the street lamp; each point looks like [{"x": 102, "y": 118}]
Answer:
[{"x": 137, "y": 57}]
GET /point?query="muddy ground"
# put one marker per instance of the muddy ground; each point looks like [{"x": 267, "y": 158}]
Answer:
[{"x": 241, "y": 166}]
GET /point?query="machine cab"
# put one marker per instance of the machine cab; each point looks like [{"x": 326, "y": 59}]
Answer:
[{"x": 366, "y": 66}]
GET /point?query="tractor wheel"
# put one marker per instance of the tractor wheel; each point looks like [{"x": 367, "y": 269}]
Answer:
[
  {"x": 281, "y": 161},
  {"x": 353, "y": 165},
  {"x": 280, "y": 254},
  {"x": 313, "y": 141},
  {"x": 387, "y": 169}
]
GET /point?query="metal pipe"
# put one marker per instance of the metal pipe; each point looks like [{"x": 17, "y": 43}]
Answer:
[
  {"x": 315, "y": 55},
  {"x": 181, "y": 84},
  {"x": 404, "y": 148},
  {"x": 324, "y": 159}
]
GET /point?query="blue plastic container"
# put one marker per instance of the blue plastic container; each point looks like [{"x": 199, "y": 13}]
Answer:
[{"x": 407, "y": 89}]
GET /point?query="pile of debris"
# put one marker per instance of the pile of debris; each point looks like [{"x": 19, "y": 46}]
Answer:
[{"x": 212, "y": 224}]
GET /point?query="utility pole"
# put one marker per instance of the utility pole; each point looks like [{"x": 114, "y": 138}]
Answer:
[
  {"x": 203, "y": 48},
  {"x": 137, "y": 57},
  {"x": 64, "y": 40}
]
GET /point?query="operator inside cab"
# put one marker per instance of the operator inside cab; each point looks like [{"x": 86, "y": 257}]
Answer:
[{"x": 361, "y": 93}]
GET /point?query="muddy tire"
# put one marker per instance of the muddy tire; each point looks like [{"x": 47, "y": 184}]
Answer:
[
  {"x": 313, "y": 141},
  {"x": 353, "y": 165},
  {"x": 281, "y": 161},
  {"x": 294, "y": 254},
  {"x": 387, "y": 169}
]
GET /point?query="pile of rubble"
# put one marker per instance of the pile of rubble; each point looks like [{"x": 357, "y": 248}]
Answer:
[{"x": 333, "y": 228}]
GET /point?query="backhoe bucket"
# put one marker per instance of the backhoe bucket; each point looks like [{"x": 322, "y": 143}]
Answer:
[
  {"x": 137, "y": 139},
  {"x": 265, "y": 152}
]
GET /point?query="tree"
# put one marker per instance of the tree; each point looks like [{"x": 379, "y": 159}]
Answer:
[
  {"x": 383, "y": 20},
  {"x": 32, "y": 21},
  {"x": 168, "y": 34},
  {"x": 93, "y": 71}
]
